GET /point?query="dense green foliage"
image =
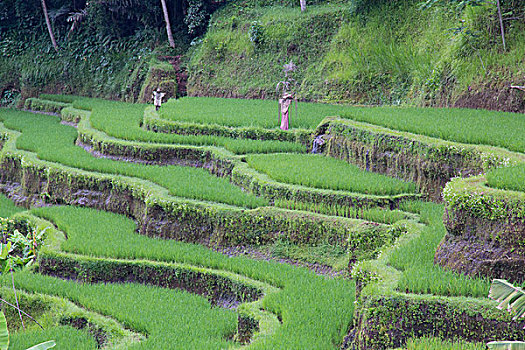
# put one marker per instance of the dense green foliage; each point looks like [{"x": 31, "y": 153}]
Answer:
[
  {"x": 460, "y": 125},
  {"x": 54, "y": 142},
  {"x": 324, "y": 172},
  {"x": 104, "y": 47},
  {"x": 253, "y": 68},
  {"x": 508, "y": 178},
  {"x": 380, "y": 52}
]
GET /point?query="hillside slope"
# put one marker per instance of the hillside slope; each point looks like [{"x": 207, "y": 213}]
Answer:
[{"x": 375, "y": 52}]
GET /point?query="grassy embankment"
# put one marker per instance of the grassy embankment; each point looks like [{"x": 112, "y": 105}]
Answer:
[{"x": 379, "y": 52}]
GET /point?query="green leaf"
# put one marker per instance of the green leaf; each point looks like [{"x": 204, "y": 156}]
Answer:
[
  {"x": 509, "y": 297},
  {"x": 4, "y": 333},
  {"x": 43, "y": 346},
  {"x": 4, "y": 250},
  {"x": 506, "y": 345}
]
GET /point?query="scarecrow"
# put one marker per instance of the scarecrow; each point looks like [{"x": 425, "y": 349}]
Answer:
[
  {"x": 287, "y": 95},
  {"x": 157, "y": 98}
]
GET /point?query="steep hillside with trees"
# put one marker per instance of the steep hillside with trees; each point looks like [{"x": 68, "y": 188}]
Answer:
[
  {"x": 467, "y": 53},
  {"x": 96, "y": 48}
]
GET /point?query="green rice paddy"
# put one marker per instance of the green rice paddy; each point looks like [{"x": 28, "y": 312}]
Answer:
[
  {"x": 245, "y": 113},
  {"x": 316, "y": 312},
  {"x": 326, "y": 173},
  {"x": 304, "y": 295},
  {"x": 472, "y": 126},
  {"x": 123, "y": 121},
  {"x": 54, "y": 142}
]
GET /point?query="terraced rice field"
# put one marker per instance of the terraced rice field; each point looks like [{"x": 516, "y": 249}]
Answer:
[{"x": 286, "y": 235}]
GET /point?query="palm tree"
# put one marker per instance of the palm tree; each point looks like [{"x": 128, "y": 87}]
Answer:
[
  {"x": 168, "y": 25},
  {"x": 48, "y": 22}
]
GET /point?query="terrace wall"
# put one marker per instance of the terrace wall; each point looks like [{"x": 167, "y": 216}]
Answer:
[
  {"x": 160, "y": 215},
  {"x": 428, "y": 162},
  {"x": 386, "y": 322},
  {"x": 486, "y": 231}
]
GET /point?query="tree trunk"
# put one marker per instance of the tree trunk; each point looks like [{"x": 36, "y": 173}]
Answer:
[
  {"x": 48, "y": 22},
  {"x": 168, "y": 25},
  {"x": 501, "y": 25},
  {"x": 303, "y": 5}
]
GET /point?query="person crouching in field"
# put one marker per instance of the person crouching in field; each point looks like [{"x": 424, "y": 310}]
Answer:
[{"x": 157, "y": 98}]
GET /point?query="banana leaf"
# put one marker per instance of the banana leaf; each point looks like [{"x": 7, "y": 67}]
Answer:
[
  {"x": 4, "y": 334},
  {"x": 43, "y": 346},
  {"x": 509, "y": 296}
]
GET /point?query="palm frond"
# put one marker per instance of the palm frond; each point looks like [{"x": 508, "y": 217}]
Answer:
[
  {"x": 54, "y": 14},
  {"x": 77, "y": 16},
  {"x": 509, "y": 296}
]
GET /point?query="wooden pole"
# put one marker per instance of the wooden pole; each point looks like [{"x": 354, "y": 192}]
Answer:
[
  {"x": 501, "y": 25},
  {"x": 48, "y": 23},
  {"x": 168, "y": 25}
]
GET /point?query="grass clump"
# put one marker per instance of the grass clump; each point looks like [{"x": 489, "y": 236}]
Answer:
[
  {"x": 66, "y": 338},
  {"x": 326, "y": 173},
  {"x": 7, "y": 207},
  {"x": 480, "y": 127},
  {"x": 508, "y": 178},
  {"x": 429, "y": 343},
  {"x": 324, "y": 254},
  {"x": 54, "y": 142},
  {"x": 415, "y": 258}
]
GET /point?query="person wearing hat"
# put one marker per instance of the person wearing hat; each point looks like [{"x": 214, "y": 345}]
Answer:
[
  {"x": 285, "y": 103},
  {"x": 157, "y": 98}
]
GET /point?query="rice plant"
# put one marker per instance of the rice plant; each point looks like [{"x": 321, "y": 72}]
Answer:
[
  {"x": 508, "y": 178},
  {"x": 8, "y": 207},
  {"x": 51, "y": 141},
  {"x": 326, "y": 173},
  {"x": 429, "y": 343},
  {"x": 415, "y": 259},
  {"x": 66, "y": 338},
  {"x": 371, "y": 214},
  {"x": 304, "y": 296}
]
